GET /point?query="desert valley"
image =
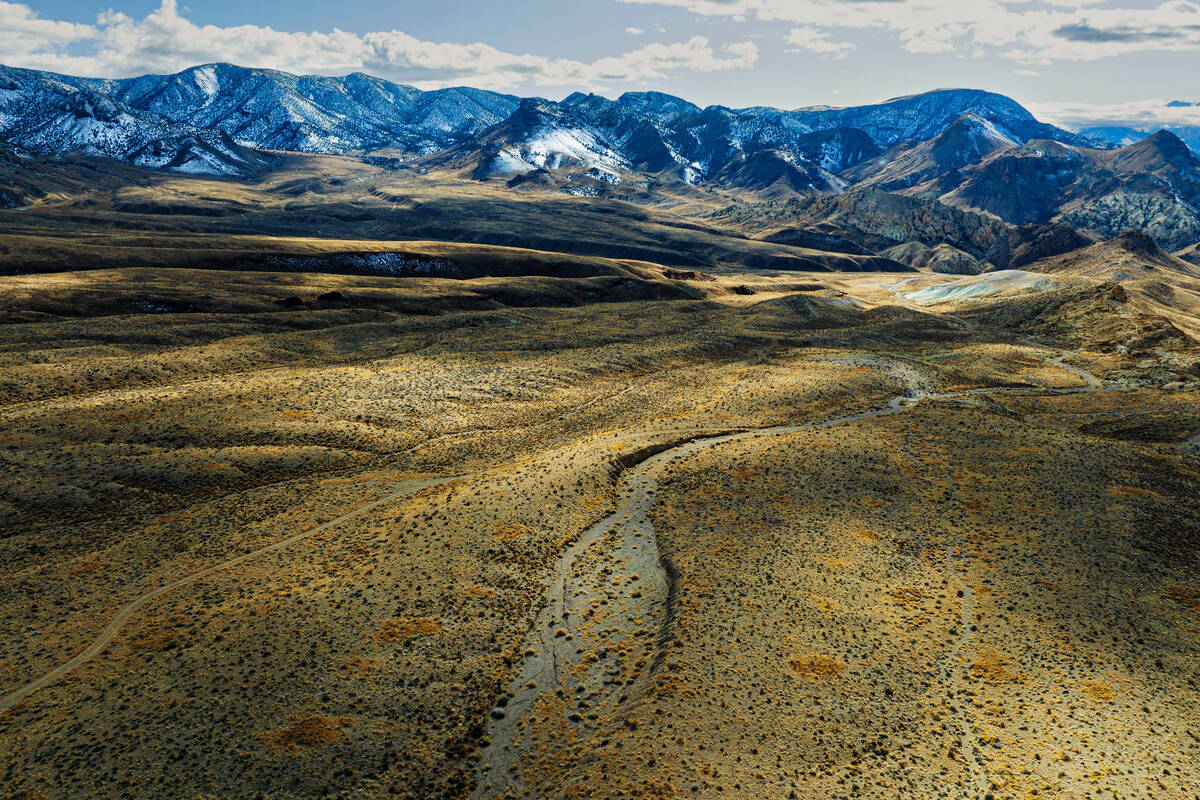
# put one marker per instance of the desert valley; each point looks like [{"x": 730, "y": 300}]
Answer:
[{"x": 594, "y": 449}]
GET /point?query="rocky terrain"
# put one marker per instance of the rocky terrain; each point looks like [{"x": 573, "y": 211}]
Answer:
[{"x": 1152, "y": 185}]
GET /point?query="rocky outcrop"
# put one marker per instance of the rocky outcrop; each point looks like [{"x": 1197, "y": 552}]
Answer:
[
  {"x": 1152, "y": 185},
  {"x": 881, "y": 219},
  {"x": 1027, "y": 244},
  {"x": 943, "y": 258}
]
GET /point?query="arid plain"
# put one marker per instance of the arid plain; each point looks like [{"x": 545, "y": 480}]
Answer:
[{"x": 584, "y": 527}]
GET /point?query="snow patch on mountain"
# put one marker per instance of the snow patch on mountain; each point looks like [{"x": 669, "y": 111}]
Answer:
[
  {"x": 206, "y": 81},
  {"x": 551, "y": 149},
  {"x": 992, "y": 131}
]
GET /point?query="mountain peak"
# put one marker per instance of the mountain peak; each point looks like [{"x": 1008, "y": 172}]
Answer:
[
  {"x": 1159, "y": 149},
  {"x": 979, "y": 101},
  {"x": 972, "y": 125},
  {"x": 969, "y": 139},
  {"x": 535, "y": 110},
  {"x": 1167, "y": 141},
  {"x": 657, "y": 103}
]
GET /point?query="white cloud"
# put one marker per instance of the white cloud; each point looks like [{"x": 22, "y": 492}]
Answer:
[
  {"x": 166, "y": 41},
  {"x": 23, "y": 32},
  {"x": 817, "y": 41},
  {"x": 634, "y": 31},
  {"x": 654, "y": 61},
  {"x": 1027, "y": 31}
]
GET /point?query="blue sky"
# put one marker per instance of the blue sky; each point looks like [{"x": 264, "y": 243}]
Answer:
[{"x": 1071, "y": 61}]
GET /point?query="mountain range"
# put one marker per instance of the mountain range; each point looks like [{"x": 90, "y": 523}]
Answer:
[
  {"x": 968, "y": 149},
  {"x": 271, "y": 110}
]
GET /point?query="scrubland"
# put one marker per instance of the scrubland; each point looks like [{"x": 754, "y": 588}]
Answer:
[{"x": 993, "y": 593}]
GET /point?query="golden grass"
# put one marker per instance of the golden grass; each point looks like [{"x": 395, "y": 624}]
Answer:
[
  {"x": 1187, "y": 594},
  {"x": 362, "y": 667},
  {"x": 314, "y": 731},
  {"x": 867, "y": 536},
  {"x": 1097, "y": 690},
  {"x": 815, "y": 665},
  {"x": 773, "y": 583},
  {"x": 509, "y": 531},
  {"x": 86, "y": 568},
  {"x": 1131, "y": 491},
  {"x": 992, "y": 667},
  {"x": 404, "y": 628},
  {"x": 907, "y": 596},
  {"x": 157, "y": 639}
]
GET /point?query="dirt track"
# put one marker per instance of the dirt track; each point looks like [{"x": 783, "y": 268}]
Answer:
[{"x": 129, "y": 609}]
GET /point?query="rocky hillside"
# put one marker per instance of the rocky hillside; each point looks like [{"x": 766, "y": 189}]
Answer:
[
  {"x": 870, "y": 219},
  {"x": 968, "y": 140},
  {"x": 1153, "y": 185},
  {"x": 47, "y": 114}
]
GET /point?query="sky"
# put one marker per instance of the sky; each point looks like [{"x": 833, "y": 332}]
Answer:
[{"x": 1072, "y": 62}]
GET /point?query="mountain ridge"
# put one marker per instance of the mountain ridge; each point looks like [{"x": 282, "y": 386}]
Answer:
[
  {"x": 968, "y": 148},
  {"x": 276, "y": 110}
]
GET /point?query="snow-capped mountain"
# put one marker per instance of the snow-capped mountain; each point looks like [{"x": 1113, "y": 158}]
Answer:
[
  {"x": 543, "y": 135},
  {"x": 203, "y": 119},
  {"x": 837, "y": 149},
  {"x": 656, "y": 132},
  {"x": 46, "y": 114},
  {"x": 921, "y": 117},
  {"x": 660, "y": 135},
  {"x": 275, "y": 110},
  {"x": 663, "y": 107},
  {"x": 969, "y": 150},
  {"x": 635, "y": 125}
]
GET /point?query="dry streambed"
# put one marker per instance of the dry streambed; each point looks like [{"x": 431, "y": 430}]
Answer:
[
  {"x": 607, "y": 612},
  {"x": 594, "y": 645}
]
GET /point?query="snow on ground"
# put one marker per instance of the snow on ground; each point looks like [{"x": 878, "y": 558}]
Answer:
[
  {"x": 507, "y": 162},
  {"x": 993, "y": 131},
  {"x": 206, "y": 81},
  {"x": 575, "y": 143}
]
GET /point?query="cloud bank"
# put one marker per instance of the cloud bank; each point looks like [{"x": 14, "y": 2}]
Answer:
[
  {"x": 1026, "y": 31},
  {"x": 1147, "y": 115},
  {"x": 165, "y": 41}
]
